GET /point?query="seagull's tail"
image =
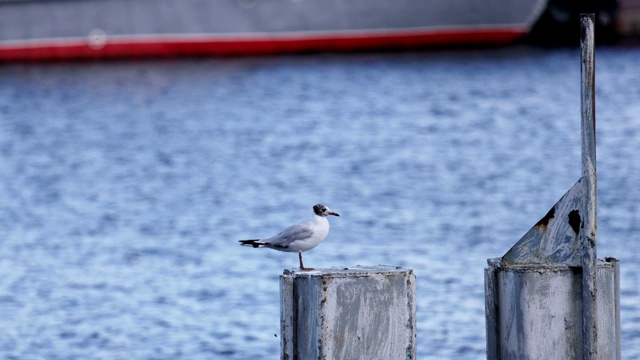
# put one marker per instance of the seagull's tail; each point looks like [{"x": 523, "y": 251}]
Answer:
[{"x": 256, "y": 243}]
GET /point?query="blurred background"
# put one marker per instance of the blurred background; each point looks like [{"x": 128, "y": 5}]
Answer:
[{"x": 129, "y": 170}]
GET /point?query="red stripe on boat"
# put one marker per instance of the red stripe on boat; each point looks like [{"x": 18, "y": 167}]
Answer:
[{"x": 204, "y": 45}]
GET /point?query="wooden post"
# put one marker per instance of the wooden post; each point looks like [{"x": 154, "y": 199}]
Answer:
[
  {"x": 348, "y": 313},
  {"x": 588, "y": 231}
]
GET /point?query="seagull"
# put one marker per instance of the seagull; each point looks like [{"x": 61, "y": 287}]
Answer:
[{"x": 300, "y": 237}]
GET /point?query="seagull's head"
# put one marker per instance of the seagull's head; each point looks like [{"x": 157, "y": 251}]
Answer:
[{"x": 323, "y": 211}]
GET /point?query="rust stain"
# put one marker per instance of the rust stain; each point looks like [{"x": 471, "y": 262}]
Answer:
[{"x": 544, "y": 222}]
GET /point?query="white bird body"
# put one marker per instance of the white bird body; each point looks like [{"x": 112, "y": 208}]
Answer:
[{"x": 299, "y": 237}]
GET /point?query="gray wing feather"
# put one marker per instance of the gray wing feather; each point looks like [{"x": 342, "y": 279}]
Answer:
[{"x": 299, "y": 231}]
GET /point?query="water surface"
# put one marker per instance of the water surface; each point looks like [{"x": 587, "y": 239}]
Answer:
[{"x": 125, "y": 185}]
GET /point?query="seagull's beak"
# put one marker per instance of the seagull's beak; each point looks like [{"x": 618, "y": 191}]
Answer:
[{"x": 333, "y": 213}]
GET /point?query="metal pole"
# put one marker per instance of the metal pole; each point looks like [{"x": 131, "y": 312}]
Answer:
[{"x": 588, "y": 233}]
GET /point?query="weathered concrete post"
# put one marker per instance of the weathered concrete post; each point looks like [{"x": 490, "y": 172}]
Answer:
[
  {"x": 348, "y": 313},
  {"x": 549, "y": 297}
]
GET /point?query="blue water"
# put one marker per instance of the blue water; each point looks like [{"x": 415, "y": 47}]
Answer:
[{"x": 125, "y": 185}]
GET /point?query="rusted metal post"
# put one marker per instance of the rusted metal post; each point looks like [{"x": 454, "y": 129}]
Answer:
[
  {"x": 588, "y": 233},
  {"x": 549, "y": 297},
  {"x": 348, "y": 313}
]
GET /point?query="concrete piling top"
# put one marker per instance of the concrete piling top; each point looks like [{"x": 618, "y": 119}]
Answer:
[{"x": 358, "y": 270}]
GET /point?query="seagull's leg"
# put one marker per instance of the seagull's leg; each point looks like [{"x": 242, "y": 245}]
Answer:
[{"x": 301, "y": 265}]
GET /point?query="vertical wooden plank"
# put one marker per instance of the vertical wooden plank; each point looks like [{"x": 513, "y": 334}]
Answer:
[
  {"x": 616, "y": 291},
  {"x": 540, "y": 312},
  {"x": 287, "y": 311},
  {"x": 608, "y": 312},
  {"x": 492, "y": 309},
  {"x": 588, "y": 235}
]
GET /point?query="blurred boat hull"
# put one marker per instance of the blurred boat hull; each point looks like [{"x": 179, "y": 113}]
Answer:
[{"x": 37, "y": 30}]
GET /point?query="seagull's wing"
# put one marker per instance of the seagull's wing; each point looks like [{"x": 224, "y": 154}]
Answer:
[{"x": 300, "y": 231}]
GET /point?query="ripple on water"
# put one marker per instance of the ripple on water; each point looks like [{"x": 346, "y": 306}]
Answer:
[{"x": 126, "y": 185}]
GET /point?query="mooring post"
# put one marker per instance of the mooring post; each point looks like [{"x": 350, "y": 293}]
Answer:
[
  {"x": 588, "y": 233},
  {"x": 549, "y": 297},
  {"x": 348, "y": 313}
]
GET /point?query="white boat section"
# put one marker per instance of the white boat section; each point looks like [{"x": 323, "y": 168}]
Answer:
[{"x": 86, "y": 29}]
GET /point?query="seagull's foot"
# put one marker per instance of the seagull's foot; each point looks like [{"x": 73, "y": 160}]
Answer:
[{"x": 301, "y": 264}]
